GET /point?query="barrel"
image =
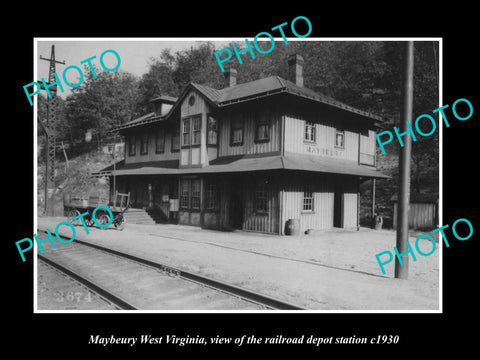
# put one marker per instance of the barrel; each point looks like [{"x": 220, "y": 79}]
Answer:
[{"x": 292, "y": 227}]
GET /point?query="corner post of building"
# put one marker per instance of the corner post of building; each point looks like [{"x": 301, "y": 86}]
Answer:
[{"x": 401, "y": 266}]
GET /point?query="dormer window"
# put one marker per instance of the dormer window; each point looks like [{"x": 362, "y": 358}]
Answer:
[
  {"x": 191, "y": 130},
  {"x": 186, "y": 132}
]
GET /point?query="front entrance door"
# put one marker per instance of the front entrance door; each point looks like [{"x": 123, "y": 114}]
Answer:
[
  {"x": 338, "y": 208},
  {"x": 236, "y": 206}
]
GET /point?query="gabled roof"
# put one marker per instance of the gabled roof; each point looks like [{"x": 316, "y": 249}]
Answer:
[
  {"x": 145, "y": 119},
  {"x": 265, "y": 87},
  {"x": 247, "y": 91},
  {"x": 165, "y": 98}
]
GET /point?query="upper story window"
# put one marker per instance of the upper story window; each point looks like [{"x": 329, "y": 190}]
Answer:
[
  {"x": 340, "y": 138},
  {"x": 160, "y": 141},
  {"x": 176, "y": 139},
  {"x": 236, "y": 131},
  {"x": 191, "y": 130},
  {"x": 186, "y": 131},
  {"x": 144, "y": 144},
  {"x": 196, "y": 130},
  {"x": 309, "y": 132},
  {"x": 212, "y": 131},
  {"x": 131, "y": 146},
  {"x": 262, "y": 128}
]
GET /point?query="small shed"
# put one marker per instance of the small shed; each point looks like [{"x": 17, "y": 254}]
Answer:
[{"x": 423, "y": 211}]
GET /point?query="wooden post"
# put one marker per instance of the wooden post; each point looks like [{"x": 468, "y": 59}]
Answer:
[
  {"x": 373, "y": 198},
  {"x": 404, "y": 164}
]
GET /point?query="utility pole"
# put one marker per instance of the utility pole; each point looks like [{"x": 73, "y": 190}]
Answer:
[
  {"x": 49, "y": 126},
  {"x": 404, "y": 164}
]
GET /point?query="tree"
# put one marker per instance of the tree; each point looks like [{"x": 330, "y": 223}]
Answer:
[
  {"x": 157, "y": 81},
  {"x": 101, "y": 103}
]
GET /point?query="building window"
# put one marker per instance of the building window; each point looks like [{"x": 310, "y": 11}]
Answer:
[
  {"x": 195, "y": 194},
  {"x": 340, "y": 138},
  {"x": 308, "y": 200},
  {"x": 261, "y": 197},
  {"x": 196, "y": 130},
  {"x": 190, "y": 194},
  {"x": 212, "y": 130},
  {"x": 160, "y": 141},
  {"x": 309, "y": 131},
  {"x": 176, "y": 139},
  {"x": 262, "y": 128},
  {"x": 236, "y": 135},
  {"x": 184, "y": 194},
  {"x": 144, "y": 144},
  {"x": 191, "y": 131},
  {"x": 186, "y": 132},
  {"x": 131, "y": 146},
  {"x": 211, "y": 201}
]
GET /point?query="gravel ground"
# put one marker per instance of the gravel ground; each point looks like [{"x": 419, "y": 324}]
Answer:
[{"x": 334, "y": 270}]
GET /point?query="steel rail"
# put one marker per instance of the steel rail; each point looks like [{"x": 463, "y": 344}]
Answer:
[
  {"x": 246, "y": 294},
  {"x": 99, "y": 290}
]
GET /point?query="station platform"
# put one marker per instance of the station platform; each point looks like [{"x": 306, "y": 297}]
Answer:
[{"x": 331, "y": 270}]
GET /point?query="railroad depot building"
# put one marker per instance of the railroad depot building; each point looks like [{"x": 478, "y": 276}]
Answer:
[{"x": 250, "y": 156}]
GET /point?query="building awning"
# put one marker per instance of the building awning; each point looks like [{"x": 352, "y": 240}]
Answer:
[
  {"x": 330, "y": 165},
  {"x": 235, "y": 164}
]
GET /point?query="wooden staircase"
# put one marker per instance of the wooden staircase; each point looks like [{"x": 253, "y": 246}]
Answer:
[{"x": 145, "y": 216}]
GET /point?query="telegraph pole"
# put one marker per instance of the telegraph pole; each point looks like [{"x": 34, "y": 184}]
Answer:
[
  {"x": 49, "y": 126},
  {"x": 404, "y": 163}
]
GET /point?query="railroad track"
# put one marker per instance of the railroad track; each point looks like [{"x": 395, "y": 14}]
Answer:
[
  {"x": 130, "y": 282},
  {"x": 56, "y": 290}
]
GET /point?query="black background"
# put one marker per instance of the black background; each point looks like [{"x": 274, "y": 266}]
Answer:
[{"x": 67, "y": 334}]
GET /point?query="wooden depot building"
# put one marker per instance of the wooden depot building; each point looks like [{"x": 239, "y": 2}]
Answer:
[{"x": 250, "y": 156}]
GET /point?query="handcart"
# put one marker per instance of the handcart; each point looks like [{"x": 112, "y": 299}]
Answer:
[{"x": 74, "y": 206}]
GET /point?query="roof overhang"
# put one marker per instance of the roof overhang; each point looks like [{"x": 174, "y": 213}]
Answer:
[{"x": 237, "y": 164}]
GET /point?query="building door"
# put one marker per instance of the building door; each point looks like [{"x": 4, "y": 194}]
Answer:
[
  {"x": 337, "y": 208},
  {"x": 236, "y": 206}
]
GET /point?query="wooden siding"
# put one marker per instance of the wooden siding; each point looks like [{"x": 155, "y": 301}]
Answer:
[
  {"x": 196, "y": 156},
  {"x": 249, "y": 146},
  {"x": 199, "y": 107},
  {"x": 261, "y": 222},
  {"x": 151, "y": 154},
  {"x": 320, "y": 218},
  {"x": 323, "y": 188},
  {"x": 367, "y": 148},
  {"x": 421, "y": 216},
  {"x": 324, "y": 144}
]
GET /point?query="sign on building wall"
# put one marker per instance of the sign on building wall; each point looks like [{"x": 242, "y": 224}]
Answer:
[{"x": 310, "y": 149}]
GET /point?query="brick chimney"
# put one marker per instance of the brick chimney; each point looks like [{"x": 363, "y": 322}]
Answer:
[
  {"x": 230, "y": 77},
  {"x": 295, "y": 69}
]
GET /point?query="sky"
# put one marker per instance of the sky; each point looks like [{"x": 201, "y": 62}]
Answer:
[{"x": 135, "y": 54}]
